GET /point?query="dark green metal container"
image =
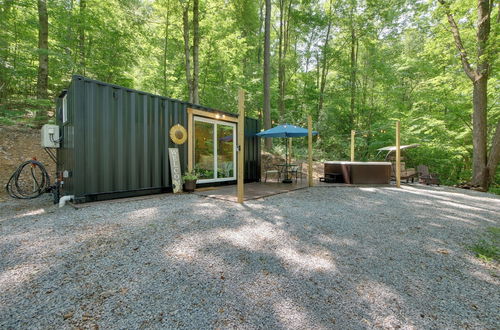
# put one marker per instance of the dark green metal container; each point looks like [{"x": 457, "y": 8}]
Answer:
[{"x": 115, "y": 141}]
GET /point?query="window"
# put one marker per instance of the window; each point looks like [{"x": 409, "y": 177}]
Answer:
[{"x": 65, "y": 109}]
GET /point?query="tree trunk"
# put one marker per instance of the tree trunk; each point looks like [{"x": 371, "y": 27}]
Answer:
[
  {"x": 324, "y": 71},
  {"x": 267, "y": 73},
  {"x": 353, "y": 68},
  {"x": 261, "y": 25},
  {"x": 494, "y": 156},
  {"x": 196, "y": 44},
  {"x": 5, "y": 25},
  {"x": 479, "y": 132},
  {"x": 165, "y": 50},
  {"x": 318, "y": 69},
  {"x": 281, "y": 107},
  {"x": 81, "y": 36},
  {"x": 187, "y": 55},
  {"x": 43, "y": 48},
  {"x": 283, "y": 48},
  {"x": 482, "y": 168}
]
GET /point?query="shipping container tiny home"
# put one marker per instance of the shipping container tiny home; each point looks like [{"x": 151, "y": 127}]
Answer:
[{"x": 115, "y": 142}]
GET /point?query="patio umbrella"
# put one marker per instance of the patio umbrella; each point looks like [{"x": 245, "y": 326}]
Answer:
[
  {"x": 391, "y": 149},
  {"x": 285, "y": 131}
]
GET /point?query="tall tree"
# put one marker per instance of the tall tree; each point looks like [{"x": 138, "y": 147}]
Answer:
[
  {"x": 187, "y": 52},
  {"x": 196, "y": 45},
  {"x": 283, "y": 45},
  {"x": 81, "y": 36},
  {"x": 324, "y": 70},
  {"x": 43, "y": 51},
  {"x": 267, "y": 72},
  {"x": 5, "y": 23},
  {"x": 165, "y": 49},
  {"x": 479, "y": 78},
  {"x": 353, "y": 63}
]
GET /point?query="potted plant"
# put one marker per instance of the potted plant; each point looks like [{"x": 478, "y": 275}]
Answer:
[{"x": 189, "y": 178}]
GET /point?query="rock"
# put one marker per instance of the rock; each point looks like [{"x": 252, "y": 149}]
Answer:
[
  {"x": 106, "y": 294},
  {"x": 68, "y": 315}
]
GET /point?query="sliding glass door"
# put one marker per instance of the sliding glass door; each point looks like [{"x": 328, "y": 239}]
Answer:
[{"x": 214, "y": 150}]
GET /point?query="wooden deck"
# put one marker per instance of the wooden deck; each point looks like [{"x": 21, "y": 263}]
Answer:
[
  {"x": 253, "y": 190},
  {"x": 258, "y": 190}
]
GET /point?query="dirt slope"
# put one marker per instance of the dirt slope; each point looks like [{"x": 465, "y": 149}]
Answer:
[{"x": 18, "y": 144}]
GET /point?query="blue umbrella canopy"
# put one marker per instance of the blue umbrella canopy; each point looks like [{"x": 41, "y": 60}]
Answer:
[{"x": 285, "y": 131}]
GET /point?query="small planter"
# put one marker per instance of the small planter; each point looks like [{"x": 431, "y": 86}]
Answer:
[
  {"x": 189, "y": 185},
  {"x": 189, "y": 181}
]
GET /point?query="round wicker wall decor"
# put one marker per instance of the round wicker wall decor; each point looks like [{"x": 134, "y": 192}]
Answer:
[{"x": 178, "y": 134}]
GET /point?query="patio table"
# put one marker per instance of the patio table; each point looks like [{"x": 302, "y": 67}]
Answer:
[{"x": 283, "y": 169}]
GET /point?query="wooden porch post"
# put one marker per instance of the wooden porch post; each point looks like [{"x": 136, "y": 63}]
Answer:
[
  {"x": 309, "y": 151},
  {"x": 241, "y": 145},
  {"x": 398, "y": 156},
  {"x": 353, "y": 135}
]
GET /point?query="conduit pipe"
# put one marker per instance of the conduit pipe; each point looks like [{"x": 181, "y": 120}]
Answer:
[{"x": 64, "y": 199}]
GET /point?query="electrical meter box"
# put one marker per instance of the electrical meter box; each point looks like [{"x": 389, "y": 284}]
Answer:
[{"x": 50, "y": 136}]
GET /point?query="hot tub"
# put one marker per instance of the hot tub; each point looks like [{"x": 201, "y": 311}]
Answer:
[{"x": 361, "y": 172}]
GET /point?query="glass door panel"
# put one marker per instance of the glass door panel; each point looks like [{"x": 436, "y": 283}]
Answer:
[
  {"x": 204, "y": 149},
  {"x": 214, "y": 150},
  {"x": 225, "y": 151}
]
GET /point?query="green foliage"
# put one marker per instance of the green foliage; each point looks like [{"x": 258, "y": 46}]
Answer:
[
  {"x": 26, "y": 112},
  {"x": 190, "y": 176},
  {"x": 406, "y": 67},
  {"x": 495, "y": 189},
  {"x": 488, "y": 249}
]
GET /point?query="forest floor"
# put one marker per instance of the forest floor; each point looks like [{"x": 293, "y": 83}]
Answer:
[{"x": 316, "y": 258}]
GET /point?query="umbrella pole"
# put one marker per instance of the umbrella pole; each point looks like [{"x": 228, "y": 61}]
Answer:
[
  {"x": 286, "y": 180},
  {"x": 286, "y": 158}
]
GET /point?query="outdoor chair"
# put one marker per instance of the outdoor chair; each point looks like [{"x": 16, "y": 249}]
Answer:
[
  {"x": 270, "y": 169},
  {"x": 296, "y": 171},
  {"x": 406, "y": 173},
  {"x": 424, "y": 176}
]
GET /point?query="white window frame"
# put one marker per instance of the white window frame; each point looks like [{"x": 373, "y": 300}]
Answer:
[
  {"x": 215, "y": 137},
  {"x": 65, "y": 109}
]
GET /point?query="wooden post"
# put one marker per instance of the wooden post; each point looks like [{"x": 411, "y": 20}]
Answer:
[
  {"x": 309, "y": 151},
  {"x": 353, "y": 134},
  {"x": 398, "y": 156},
  {"x": 241, "y": 145},
  {"x": 190, "y": 132}
]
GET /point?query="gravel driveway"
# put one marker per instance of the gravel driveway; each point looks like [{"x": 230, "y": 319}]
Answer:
[{"x": 313, "y": 258}]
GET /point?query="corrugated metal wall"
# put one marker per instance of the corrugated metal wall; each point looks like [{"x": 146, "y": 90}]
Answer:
[
  {"x": 117, "y": 140},
  {"x": 252, "y": 150},
  {"x": 66, "y": 153},
  {"x": 126, "y": 139}
]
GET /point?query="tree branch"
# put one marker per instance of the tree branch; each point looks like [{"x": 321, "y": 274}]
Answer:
[{"x": 458, "y": 42}]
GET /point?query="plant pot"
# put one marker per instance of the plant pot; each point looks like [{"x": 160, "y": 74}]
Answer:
[{"x": 189, "y": 185}]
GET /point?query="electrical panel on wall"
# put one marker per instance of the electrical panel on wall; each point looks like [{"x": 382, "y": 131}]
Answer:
[{"x": 50, "y": 136}]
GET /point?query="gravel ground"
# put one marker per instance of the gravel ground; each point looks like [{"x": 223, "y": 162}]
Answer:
[{"x": 313, "y": 258}]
